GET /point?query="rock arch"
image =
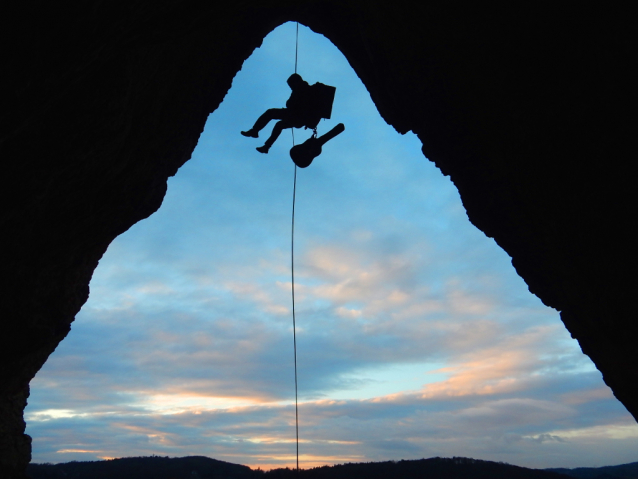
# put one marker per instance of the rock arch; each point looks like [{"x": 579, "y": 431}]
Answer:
[{"x": 527, "y": 110}]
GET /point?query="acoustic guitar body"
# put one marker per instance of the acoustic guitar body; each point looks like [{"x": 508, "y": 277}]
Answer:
[{"x": 305, "y": 152}]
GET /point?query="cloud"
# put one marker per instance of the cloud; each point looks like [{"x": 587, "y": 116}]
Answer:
[
  {"x": 375, "y": 429},
  {"x": 215, "y": 378}
]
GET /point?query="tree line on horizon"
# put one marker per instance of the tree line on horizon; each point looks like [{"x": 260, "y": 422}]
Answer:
[{"x": 200, "y": 467}]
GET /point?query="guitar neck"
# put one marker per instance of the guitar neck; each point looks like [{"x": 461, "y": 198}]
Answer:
[{"x": 323, "y": 139}]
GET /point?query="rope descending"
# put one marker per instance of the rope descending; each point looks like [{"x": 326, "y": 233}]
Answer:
[
  {"x": 294, "y": 328},
  {"x": 292, "y": 270}
]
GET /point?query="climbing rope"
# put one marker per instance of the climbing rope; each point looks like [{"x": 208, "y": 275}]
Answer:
[
  {"x": 296, "y": 46},
  {"x": 294, "y": 332},
  {"x": 292, "y": 270}
]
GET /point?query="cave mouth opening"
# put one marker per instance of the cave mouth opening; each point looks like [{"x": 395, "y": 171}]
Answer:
[{"x": 402, "y": 305}]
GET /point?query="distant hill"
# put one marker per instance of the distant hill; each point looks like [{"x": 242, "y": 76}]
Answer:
[
  {"x": 199, "y": 467},
  {"x": 155, "y": 467},
  {"x": 624, "y": 471},
  {"x": 434, "y": 468}
]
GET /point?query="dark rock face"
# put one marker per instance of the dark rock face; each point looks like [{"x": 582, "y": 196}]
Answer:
[{"x": 530, "y": 112}]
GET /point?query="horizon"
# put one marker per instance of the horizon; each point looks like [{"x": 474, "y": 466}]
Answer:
[
  {"x": 337, "y": 464},
  {"x": 415, "y": 334}
]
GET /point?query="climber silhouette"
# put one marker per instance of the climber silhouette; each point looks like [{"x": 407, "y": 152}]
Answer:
[{"x": 306, "y": 106}]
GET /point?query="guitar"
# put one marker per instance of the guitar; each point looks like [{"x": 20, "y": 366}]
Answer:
[{"x": 305, "y": 152}]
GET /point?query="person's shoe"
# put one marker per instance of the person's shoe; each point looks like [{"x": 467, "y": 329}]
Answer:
[
  {"x": 251, "y": 133},
  {"x": 263, "y": 149}
]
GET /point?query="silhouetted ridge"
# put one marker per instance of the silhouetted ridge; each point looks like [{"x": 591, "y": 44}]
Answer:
[
  {"x": 155, "y": 467},
  {"x": 624, "y": 471},
  {"x": 203, "y": 468},
  {"x": 434, "y": 468}
]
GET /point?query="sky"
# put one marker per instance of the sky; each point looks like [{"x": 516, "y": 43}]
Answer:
[{"x": 415, "y": 336}]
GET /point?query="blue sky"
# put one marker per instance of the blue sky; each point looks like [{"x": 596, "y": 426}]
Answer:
[{"x": 416, "y": 338}]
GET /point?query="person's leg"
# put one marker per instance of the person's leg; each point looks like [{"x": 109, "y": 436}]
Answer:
[
  {"x": 262, "y": 121},
  {"x": 276, "y": 131}
]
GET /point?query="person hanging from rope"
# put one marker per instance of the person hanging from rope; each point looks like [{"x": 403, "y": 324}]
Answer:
[{"x": 305, "y": 107}]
